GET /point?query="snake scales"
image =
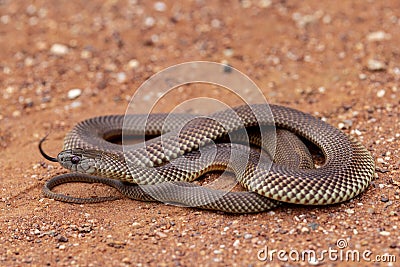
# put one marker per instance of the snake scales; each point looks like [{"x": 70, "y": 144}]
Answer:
[{"x": 165, "y": 165}]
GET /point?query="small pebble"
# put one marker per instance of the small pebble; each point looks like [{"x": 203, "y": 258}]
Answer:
[
  {"x": 384, "y": 233},
  {"x": 121, "y": 77},
  {"x": 5, "y": 19},
  {"x": 75, "y": 104},
  {"x": 126, "y": 260},
  {"x": 228, "y": 52},
  {"x": 59, "y": 49},
  {"x": 378, "y": 36},
  {"x": 362, "y": 76},
  {"x": 376, "y": 65},
  {"x": 305, "y": 230},
  {"x": 161, "y": 234},
  {"x": 384, "y": 199},
  {"x": 236, "y": 243},
  {"x": 380, "y": 160},
  {"x": 136, "y": 225},
  {"x": 357, "y": 132},
  {"x": 133, "y": 64},
  {"x": 350, "y": 211},
  {"x": 215, "y": 23},
  {"x": 16, "y": 113},
  {"x": 160, "y": 6},
  {"x": 264, "y": 3},
  {"x": 28, "y": 61},
  {"x": 62, "y": 239},
  {"x": 348, "y": 123},
  {"x": 380, "y": 93},
  {"x": 61, "y": 247},
  {"x": 85, "y": 54},
  {"x": 313, "y": 225},
  {"x": 46, "y": 99},
  {"x": 149, "y": 21},
  {"x": 248, "y": 236},
  {"x": 74, "y": 93}
]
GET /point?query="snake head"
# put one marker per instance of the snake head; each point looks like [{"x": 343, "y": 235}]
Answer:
[
  {"x": 78, "y": 160},
  {"x": 91, "y": 161}
]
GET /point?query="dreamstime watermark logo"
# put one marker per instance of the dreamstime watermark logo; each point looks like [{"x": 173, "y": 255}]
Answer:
[
  {"x": 341, "y": 252},
  {"x": 215, "y": 111}
]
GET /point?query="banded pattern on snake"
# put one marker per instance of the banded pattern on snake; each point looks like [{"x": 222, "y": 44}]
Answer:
[{"x": 164, "y": 166}]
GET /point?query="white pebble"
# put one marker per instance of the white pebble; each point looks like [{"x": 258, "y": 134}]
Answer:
[
  {"x": 378, "y": 36},
  {"x": 16, "y": 113},
  {"x": 362, "y": 76},
  {"x": 236, "y": 243},
  {"x": 327, "y": 19},
  {"x": 264, "y": 3},
  {"x": 31, "y": 9},
  {"x": 380, "y": 160},
  {"x": 121, "y": 77},
  {"x": 133, "y": 64},
  {"x": 376, "y": 65},
  {"x": 136, "y": 225},
  {"x": 248, "y": 236},
  {"x": 215, "y": 23},
  {"x": 160, "y": 6},
  {"x": 380, "y": 93},
  {"x": 75, "y": 104},
  {"x": 228, "y": 52},
  {"x": 217, "y": 251},
  {"x": 5, "y": 19},
  {"x": 305, "y": 229},
  {"x": 350, "y": 211},
  {"x": 29, "y": 61},
  {"x": 74, "y": 93},
  {"x": 384, "y": 233},
  {"x": 149, "y": 21},
  {"x": 59, "y": 49}
]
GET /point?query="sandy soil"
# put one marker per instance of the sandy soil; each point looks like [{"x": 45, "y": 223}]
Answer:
[{"x": 340, "y": 62}]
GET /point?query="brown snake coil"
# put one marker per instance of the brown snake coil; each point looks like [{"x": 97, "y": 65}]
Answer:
[{"x": 164, "y": 165}]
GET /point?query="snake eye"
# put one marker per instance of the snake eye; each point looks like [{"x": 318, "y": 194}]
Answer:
[{"x": 75, "y": 160}]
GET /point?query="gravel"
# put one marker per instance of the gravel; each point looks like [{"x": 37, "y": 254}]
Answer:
[
  {"x": 376, "y": 65},
  {"x": 74, "y": 93},
  {"x": 59, "y": 49},
  {"x": 315, "y": 59}
]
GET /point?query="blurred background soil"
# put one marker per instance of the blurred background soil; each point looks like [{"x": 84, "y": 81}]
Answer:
[{"x": 338, "y": 60}]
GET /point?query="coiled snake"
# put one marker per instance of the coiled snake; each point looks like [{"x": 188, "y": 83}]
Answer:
[{"x": 163, "y": 168}]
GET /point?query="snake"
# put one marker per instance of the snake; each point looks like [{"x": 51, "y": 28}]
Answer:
[{"x": 186, "y": 147}]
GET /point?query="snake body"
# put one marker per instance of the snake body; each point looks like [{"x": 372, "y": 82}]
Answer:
[{"x": 162, "y": 167}]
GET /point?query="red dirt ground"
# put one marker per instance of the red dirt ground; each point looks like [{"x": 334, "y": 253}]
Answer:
[{"x": 308, "y": 55}]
